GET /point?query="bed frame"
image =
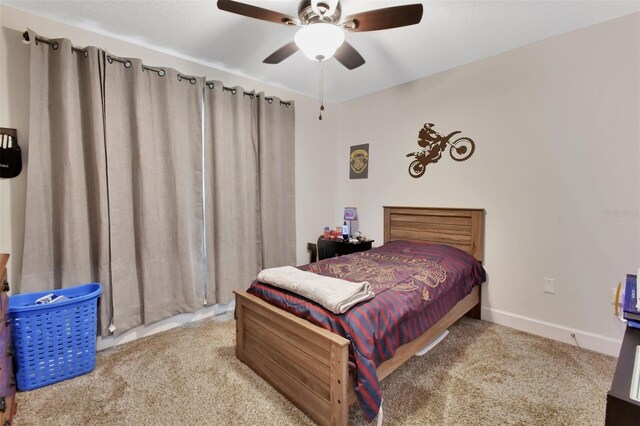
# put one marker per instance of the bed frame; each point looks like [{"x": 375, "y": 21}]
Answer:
[{"x": 308, "y": 364}]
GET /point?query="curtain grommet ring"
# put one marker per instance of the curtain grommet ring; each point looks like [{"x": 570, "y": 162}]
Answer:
[
  {"x": 210, "y": 86},
  {"x": 270, "y": 100},
  {"x": 86, "y": 53},
  {"x": 192, "y": 81},
  {"x": 55, "y": 45},
  {"x": 127, "y": 64},
  {"x": 234, "y": 91},
  {"x": 161, "y": 73},
  {"x": 179, "y": 77},
  {"x": 109, "y": 59}
]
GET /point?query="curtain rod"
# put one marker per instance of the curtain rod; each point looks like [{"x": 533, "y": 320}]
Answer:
[
  {"x": 161, "y": 72},
  {"x": 53, "y": 43},
  {"x": 233, "y": 90},
  {"x": 110, "y": 58},
  {"x": 127, "y": 64}
]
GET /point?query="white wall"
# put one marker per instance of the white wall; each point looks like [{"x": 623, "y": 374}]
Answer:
[
  {"x": 14, "y": 113},
  {"x": 315, "y": 140},
  {"x": 556, "y": 124}
]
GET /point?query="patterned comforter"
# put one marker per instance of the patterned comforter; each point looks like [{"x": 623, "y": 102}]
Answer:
[{"x": 416, "y": 284}]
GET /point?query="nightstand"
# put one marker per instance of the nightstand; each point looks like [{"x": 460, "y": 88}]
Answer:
[{"x": 333, "y": 248}]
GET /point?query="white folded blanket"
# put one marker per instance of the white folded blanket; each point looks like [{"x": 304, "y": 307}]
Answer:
[{"x": 333, "y": 293}]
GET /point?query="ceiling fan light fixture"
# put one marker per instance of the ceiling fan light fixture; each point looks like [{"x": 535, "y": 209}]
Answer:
[{"x": 319, "y": 41}]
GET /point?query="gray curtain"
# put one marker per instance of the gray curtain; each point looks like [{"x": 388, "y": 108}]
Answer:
[
  {"x": 154, "y": 153},
  {"x": 276, "y": 140},
  {"x": 115, "y": 185},
  {"x": 66, "y": 235},
  {"x": 231, "y": 191},
  {"x": 249, "y": 187}
]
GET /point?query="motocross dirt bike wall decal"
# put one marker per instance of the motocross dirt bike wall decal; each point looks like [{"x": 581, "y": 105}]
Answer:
[{"x": 433, "y": 144}]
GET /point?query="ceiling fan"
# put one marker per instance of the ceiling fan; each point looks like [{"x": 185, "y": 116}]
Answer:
[{"x": 321, "y": 33}]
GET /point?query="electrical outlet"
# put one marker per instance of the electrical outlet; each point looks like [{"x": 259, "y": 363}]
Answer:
[{"x": 550, "y": 285}]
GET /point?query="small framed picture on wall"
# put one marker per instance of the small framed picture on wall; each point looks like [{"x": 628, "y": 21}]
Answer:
[
  {"x": 350, "y": 213},
  {"x": 359, "y": 162}
]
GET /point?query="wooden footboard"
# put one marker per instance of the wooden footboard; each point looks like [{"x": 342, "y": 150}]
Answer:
[
  {"x": 305, "y": 363},
  {"x": 308, "y": 364}
]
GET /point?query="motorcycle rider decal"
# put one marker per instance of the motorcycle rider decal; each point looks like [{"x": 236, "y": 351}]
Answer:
[{"x": 434, "y": 144}]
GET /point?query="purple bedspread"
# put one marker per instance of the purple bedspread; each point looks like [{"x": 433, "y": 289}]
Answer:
[{"x": 416, "y": 284}]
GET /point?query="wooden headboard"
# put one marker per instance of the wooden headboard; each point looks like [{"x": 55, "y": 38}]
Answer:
[{"x": 461, "y": 228}]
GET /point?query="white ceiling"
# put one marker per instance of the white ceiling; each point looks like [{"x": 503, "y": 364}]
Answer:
[{"x": 451, "y": 33}]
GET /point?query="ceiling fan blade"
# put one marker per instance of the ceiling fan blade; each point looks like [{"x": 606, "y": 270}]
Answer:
[
  {"x": 255, "y": 12},
  {"x": 281, "y": 54},
  {"x": 382, "y": 19},
  {"x": 348, "y": 56}
]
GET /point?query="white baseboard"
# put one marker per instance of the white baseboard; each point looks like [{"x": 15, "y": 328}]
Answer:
[
  {"x": 587, "y": 340},
  {"x": 584, "y": 339},
  {"x": 167, "y": 324}
]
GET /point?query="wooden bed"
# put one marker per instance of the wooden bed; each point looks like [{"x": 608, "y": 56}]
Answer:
[{"x": 308, "y": 364}]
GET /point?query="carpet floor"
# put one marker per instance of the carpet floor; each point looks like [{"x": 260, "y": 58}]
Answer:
[{"x": 481, "y": 374}]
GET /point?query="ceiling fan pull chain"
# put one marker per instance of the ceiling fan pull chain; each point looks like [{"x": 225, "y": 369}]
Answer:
[{"x": 321, "y": 90}]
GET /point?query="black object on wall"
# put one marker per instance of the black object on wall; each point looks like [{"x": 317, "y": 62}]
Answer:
[{"x": 10, "y": 153}]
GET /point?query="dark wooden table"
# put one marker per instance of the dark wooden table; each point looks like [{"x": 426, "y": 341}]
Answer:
[
  {"x": 333, "y": 248},
  {"x": 622, "y": 410}
]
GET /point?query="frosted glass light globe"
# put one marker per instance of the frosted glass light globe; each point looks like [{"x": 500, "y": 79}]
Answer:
[{"x": 319, "y": 41}]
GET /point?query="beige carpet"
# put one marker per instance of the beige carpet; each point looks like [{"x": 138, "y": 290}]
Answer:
[{"x": 481, "y": 374}]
